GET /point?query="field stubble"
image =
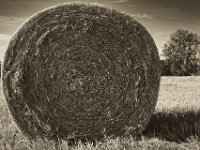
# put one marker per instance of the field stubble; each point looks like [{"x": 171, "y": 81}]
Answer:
[{"x": 174, "y": 125}]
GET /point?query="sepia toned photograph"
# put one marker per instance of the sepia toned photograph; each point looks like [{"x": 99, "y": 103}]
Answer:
[{"x": 100, "y": 75}]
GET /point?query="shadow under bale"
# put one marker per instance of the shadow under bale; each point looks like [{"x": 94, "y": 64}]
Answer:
[{"x": 174, "y": 126}]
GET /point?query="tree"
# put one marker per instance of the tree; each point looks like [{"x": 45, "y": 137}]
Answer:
[
  {"x": 165, "y": 70},
  {"x": 182, "y": 53}
]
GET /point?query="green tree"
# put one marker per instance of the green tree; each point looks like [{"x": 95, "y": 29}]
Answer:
[{"x": 182, "y": 53}]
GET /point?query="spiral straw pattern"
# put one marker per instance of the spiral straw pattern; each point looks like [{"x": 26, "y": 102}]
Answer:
[{"x": 79, "y": 70}]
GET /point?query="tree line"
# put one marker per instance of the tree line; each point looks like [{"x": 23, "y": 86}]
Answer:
[{"x": 181, "y": 54}]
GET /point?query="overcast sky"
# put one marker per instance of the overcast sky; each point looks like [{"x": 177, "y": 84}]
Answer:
[{"x": 160, "y": 17}]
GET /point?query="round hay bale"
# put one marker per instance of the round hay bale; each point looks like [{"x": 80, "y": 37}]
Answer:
[{"x": 79, "y": 70}]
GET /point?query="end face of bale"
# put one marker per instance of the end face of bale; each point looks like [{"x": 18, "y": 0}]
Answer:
[{"x": 79, "y": 70}]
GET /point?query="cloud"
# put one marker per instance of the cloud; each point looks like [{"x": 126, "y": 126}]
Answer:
[
  {"x": 4, "y": 39},
  {"x": 12, "y": 19},
  {"x": 161, "y": 37},
  {"x": 162, "y": 34},
  {"x": 120, "y": 1},
  {"x": 143, "y": 16},
  {"x": 9, "y": 24}
]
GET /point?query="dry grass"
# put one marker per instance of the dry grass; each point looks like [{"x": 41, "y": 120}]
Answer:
[
  {"x": 176, "y": 110},
  {"x": 179, "y": 93}
]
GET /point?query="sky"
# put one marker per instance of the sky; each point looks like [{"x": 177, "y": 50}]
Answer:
[{"x": 160, "y": 17}]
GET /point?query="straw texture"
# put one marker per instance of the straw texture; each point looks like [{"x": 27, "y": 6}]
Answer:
[{"x": 79, "y": 70}]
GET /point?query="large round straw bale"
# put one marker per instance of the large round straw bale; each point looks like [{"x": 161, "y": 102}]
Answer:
[{"x": 78, "y": 70}]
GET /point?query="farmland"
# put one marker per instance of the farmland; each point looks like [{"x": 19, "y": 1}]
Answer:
[{"x": 174, "y": 125}]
